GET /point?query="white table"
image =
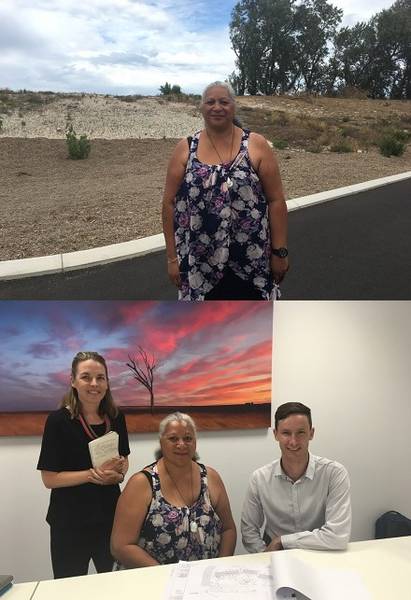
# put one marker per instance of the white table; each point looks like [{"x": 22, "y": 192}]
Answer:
[
  {"x": 20, "y": 591},
  {"x": 384, "y": 565}
]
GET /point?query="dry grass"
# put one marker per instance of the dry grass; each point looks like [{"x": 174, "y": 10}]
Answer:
[{"x": 320, "y": 124}]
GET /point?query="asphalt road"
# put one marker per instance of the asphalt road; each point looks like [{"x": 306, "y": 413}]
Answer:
[{"x": 354, "y": 248}]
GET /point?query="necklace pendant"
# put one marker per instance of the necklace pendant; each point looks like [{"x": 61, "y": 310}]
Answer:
[{"x": 193, "y": 527}]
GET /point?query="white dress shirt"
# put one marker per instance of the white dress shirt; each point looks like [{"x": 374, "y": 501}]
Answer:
[{"x": 313, "y": 512}]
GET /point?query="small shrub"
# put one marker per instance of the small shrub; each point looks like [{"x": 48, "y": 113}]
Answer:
[
  {"x": 390, "y": 146},
  {"x": 279, "y": 144},
  {"x": 403, "y": 135},
  {"x": 78, "y": 148},
  {"x": 341, "y": 147},
  {"x": 1, "y": 123}
]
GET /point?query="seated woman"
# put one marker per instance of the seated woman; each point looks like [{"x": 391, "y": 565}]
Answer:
[{"x": 176, "y": 508}]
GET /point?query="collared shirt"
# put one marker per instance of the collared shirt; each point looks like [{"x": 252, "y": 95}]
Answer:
[{"x": 313, "y": 512}]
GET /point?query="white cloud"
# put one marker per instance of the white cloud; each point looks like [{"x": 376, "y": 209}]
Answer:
[
  {"x": 123, "y": 46},
  {"x": 363, "y": 10}
]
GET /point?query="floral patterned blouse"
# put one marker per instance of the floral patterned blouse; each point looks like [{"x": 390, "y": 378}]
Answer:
[
  {"x": 221, "y": 220},
  {"x": 172, "y": 533}
]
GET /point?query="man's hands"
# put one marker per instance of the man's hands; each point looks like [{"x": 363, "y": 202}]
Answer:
[{"x": 274, "y": 545}]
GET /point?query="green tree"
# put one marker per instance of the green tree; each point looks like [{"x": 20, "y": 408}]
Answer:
[
  {"x": 165, "y": 90},
  {"x": 247, "y": 41},
  {"x": 355, "y": 56},
  {"x": 394, "y": 39},
  {"x": 279, "y": 43},
  {"x": 316, "y": 23},
  {"x": 176, "y": 89},
  {"x": 375, "y": 56}
]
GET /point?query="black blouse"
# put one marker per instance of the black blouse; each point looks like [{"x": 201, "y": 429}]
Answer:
[{"x": 65, "y": 448}]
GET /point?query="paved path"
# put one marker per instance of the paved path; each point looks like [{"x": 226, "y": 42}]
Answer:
[{"x": 354, "y": 248}]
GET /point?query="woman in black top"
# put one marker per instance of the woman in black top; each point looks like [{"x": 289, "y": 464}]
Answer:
[{"x": 83, "y": 499}]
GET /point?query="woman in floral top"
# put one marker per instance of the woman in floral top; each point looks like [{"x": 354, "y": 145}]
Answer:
[
  {"x": 224, "y": 212},
  {"x": 176, "y": 508}
]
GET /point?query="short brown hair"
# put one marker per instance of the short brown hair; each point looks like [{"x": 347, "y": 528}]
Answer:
[
  {"x": 292, "y": 408},
  {"x": 71, "y": 399}
]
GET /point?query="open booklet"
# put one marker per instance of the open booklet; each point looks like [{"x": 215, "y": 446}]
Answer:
[
  {"x": 287, "y": 576},
  {"x": 103, "y": 448}
]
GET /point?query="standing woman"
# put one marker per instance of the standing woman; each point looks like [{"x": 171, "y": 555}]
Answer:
[
  {"x": 224, "y": 212},
  {"x": 83, "y": 500}
]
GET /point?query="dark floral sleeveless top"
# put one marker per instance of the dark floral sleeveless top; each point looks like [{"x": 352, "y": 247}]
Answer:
[
  {"x": 171, "y": 533},
  {"x": 221, "y": 220}
]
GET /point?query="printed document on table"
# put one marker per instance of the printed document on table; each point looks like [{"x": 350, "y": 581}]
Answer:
[
  {"x": 286, "y": 577},
  {"x": 219, "y": 581},
  {"x": 103, "y": 448},
  {"x": 296, "y": 578}
]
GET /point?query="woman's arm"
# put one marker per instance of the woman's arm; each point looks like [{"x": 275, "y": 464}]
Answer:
[
  {"x": 221, "y": 504},
  {"x": 53, "y": 479},
  {"x": 131, "y": 511},
  {"x": 266, "y": 165},
  {"x": 175, "y": 173}
]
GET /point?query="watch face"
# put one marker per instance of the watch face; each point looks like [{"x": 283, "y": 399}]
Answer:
[{"x": 281, "y": 252}]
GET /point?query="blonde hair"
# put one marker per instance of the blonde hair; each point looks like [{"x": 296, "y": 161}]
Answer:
[{"x": 71, "y": 399}]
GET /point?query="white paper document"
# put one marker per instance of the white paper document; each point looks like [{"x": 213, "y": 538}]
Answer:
[
  {"x": 211, "y": 581},
  {"x": 295, "y": 578},
  {"x": 286, "y": 577},
  {"x": 103, "y": 448}
]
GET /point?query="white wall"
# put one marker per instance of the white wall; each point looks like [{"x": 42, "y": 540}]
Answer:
[{"x": 349, "y": 361}]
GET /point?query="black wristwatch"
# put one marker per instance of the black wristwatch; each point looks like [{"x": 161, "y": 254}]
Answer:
[{"x": 280, "y": 252}]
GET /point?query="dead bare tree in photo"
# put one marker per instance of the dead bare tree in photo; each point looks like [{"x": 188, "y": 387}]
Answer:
[{"x": 142, "y": 366}]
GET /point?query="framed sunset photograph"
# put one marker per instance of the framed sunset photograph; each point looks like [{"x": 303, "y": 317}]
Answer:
[{"x": 212, "y": 360}]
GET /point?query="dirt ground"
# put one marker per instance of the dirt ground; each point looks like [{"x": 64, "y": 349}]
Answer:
[{"x": 50, "y": 204}]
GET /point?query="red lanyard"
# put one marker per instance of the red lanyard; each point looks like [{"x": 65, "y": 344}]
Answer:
[{"x": 89, "y": 432}]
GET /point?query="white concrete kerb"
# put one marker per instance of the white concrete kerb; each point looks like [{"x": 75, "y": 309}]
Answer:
[{"x": 58, "y": 263}]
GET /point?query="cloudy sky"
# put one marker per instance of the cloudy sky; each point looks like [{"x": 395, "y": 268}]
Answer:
[
  {"x": 207, "y": 353},
  {"x": 124, "y": 46}
]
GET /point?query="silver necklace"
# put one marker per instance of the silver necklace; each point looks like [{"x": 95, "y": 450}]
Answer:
[
  {"x": 217, "y": 152},
  {"x": 228, "y": 181},
  {"x": 193, "y": 524}
]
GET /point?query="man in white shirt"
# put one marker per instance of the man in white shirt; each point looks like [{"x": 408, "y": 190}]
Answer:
[{"x": 302, "y": 500}]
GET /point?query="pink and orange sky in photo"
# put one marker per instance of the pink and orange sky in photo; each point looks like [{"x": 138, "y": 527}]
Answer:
[{"x": 210, "y": 353}]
